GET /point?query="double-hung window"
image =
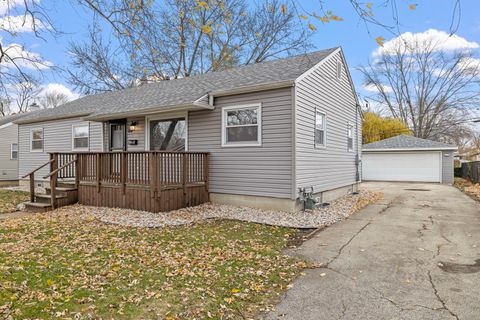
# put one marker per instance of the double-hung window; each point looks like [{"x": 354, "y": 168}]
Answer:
[
  {"x": 80, "y": 135},
  {"x": 242, "y": 126},
  {"x": 350, "y": 137},
  {"x": 14, "y": 151},
  {"x": 36, "y": 140},
  {"x": 320, "y": 129}
]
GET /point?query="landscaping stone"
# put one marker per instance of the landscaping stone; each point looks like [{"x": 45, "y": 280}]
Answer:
[{"x": 336, "y": 211}]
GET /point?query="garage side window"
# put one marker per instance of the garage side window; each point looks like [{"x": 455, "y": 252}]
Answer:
[
  {"x": 350, "y": 137},
  {"x": 320, "y": 129},
  {"x": 242, "y": 126},
  {"x": 80, "y": 134},
  {"x": 36, "y": 140}
]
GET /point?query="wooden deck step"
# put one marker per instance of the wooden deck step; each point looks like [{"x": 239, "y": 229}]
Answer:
[
  {"x": 37, "y": 207},
  {"x": 60, "y": 190},
  {"x": 47, "y": 198}
]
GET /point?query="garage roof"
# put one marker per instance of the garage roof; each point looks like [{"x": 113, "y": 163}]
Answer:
[{"x": 405, "y": 142}]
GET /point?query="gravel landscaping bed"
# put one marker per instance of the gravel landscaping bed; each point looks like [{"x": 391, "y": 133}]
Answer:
[{"x": 336, "y": 211}]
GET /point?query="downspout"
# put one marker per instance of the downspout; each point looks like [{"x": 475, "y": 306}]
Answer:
[{"x": 357, "y": 155}]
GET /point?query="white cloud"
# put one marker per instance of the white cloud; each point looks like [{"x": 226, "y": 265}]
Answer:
[
  {"x": 6, "y": 6},
  {"x": 418, "y": 41},
  {"x": 19, "y": 56},
  {"x": 373, "y": 88},
  {"x": 17, "y": 24},
  {"x": 58, "y": 88}
]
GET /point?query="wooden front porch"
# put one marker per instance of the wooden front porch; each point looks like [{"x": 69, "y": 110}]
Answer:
[{"x": 149, "y": 181}]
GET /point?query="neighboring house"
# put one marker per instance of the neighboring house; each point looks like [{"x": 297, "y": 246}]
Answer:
[
  {"x": 270, "y": 128},
  {"x": 407, "y": 158},
  {"x": 467, "y": 156},
  {"x": 9, "y": 150}
]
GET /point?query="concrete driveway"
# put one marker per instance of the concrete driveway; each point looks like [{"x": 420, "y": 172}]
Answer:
[{"x": 413, "y": 255}]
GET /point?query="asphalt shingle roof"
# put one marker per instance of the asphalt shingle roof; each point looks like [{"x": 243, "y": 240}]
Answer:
[
  {"x": 183, "y": 91},
  {"x": 10, "y": 118},
  {"x": 406, "y": 142}
]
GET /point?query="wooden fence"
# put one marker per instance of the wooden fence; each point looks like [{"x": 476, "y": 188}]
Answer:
[
  {"x": 471, "y": 171},
  {"x": 149, "y": 181}
]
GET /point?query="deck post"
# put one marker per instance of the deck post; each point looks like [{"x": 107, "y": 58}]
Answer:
[
  {"x": 32, "y": 187},
  {"x": 205, "y": 171},
  {"x": 184, "y": 178},
  {"x": 77, "y": 171},
  {"x": 153, "y": 174},
  {"x": 98, "y": 171},
  {"x": 53, "y": 179},
  {"x": 123, "y": 172}
]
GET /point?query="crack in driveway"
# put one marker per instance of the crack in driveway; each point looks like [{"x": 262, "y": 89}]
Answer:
[
  {"x": 435, "y": 291},
  {"x": 327, "y": 265}
]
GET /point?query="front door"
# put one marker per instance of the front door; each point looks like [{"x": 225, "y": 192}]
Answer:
[
  {"x": 168, "y": 135},
  {"x": 117, "y": 136}
]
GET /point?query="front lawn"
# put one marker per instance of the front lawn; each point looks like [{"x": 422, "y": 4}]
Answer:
[
  {"x": 67, "y": 265},
  {"x": 10, "y": 199}
]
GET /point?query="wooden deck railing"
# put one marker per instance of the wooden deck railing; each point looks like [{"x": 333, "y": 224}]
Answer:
[{"x": 150, "y": 181}]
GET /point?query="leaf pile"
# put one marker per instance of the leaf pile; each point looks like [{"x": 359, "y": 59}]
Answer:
[
  {"x": 466, "y": 186},
  {"x": 68, "y": 265},
  {"x": 9, "y": 200}
]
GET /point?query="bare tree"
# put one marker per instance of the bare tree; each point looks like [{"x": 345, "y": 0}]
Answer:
[
  {"x": 52, "y": 99},
  {"x": 4, "y": 105},
  {"x": 25, "y": 95},
  {"x": 179, "y": 38},
  {"x": 430, "y": 90},
  {"x": 17, "y": 64}
]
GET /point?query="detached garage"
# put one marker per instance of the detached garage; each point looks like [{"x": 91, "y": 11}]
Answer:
[{"x": 407, "y": 158}]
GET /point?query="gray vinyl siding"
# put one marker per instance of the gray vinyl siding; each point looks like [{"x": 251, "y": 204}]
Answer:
[
  {"x": 447, "y": 167},
  {"x": 138, "y": 134},
  {"x": 8, "y": 166},
  {"x": 333, "y": 166},
  {"x": 57, "y": 137},
  {"x": 260, "y": 171}
]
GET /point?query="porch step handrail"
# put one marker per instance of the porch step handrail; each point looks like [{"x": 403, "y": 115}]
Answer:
[
  {"x": 32, "y": 178},
  {"x": 40, "y": 167},
  {"x": 60, "y": 168}
]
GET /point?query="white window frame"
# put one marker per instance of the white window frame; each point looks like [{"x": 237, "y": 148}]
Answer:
[
  {"x": 350, "y": 126},
  {"x": 31, "y": 140},
  {"x": 73, "y": 137},
  {"x": 324, "y": 145},
  {"x": 11, "y": 151},
  {"x": 257, "y": 143}
]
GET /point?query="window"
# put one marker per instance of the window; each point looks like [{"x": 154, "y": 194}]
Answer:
[
  {"x": 350, "y": 137},
  {"x": 80, "y": 135},
  {"x": 36, "y": 140},
  {"x": 168, "y": 134},
  {"x": 14, "y": 151},
  {"x": 242, "y": 126},
  {"x": 320, "y": 129}
]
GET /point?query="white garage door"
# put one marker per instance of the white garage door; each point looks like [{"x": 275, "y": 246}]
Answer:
[{"x": 401, "y": 166}]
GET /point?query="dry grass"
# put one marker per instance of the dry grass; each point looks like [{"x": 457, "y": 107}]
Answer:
[
  {"x": 67, "y": 265},
  {"x": 9, "y": 200},
  {"x": 471, "y": 189}
]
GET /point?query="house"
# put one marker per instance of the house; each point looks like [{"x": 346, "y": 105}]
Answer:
[
  {"x": 9, "y": 150},
  {"x": 468, "y": 155},
  {"x": 407, "y": 158},
  {"x": 269, "y": 129}
]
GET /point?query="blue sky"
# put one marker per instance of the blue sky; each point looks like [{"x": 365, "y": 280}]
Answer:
[{"x": 358, "y": 44}]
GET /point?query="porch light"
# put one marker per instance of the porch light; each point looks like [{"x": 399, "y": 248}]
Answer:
[{"x": 132, "y": 126}]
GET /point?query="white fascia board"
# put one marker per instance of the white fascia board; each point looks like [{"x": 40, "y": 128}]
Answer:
[{"x": 409, "y": 149}]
